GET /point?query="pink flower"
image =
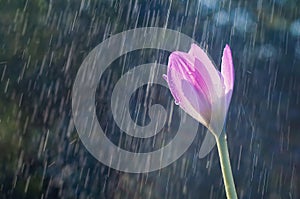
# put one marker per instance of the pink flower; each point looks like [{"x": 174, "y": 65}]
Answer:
[{"x": 199, "y": 88}]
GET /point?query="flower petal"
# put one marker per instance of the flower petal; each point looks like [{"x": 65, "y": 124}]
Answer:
[
  {"x": 208, "y": 68},
  {"x": 227, "y": 72},
  {"x": 216, "y": 88},
  {"x": 188, "y": 87}
]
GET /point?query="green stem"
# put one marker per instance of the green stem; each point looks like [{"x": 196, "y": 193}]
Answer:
[{"x": 225, "y": 166}]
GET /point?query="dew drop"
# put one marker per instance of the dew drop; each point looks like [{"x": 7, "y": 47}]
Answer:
[
  {"x": 177, "y": 102},
  {"x": 165, "y": 77}
]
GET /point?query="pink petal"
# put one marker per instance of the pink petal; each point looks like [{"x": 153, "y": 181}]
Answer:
[
  {"x": 208, "y": 69},
  {"x": 188, "y": 86},
  {"x": 216, "y": 87},
  {"x": 199, "y": 53},
  {"x": 227, "y": 72}
]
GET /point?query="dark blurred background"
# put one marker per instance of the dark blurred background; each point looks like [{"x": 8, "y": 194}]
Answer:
[{"x": 42, "y": 45}]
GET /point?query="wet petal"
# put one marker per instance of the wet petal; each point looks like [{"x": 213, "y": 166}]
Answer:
[
  {"x": 188, "y": 89},
  {"x": 208, "y": 68},
  {"x": 198, "y": 101},
  {"x": 227, "y": 72},
  {"x": 216, "y": 88}
]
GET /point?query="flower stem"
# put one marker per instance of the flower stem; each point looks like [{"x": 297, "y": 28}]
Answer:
[{"x": 225, "y": 166}]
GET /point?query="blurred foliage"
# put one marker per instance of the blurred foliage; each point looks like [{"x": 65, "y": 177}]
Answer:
[
  {"x": 9, "y": 138},
  {"x": 21, "y": 27}
]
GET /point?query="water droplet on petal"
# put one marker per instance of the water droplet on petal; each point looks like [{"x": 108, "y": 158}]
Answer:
[
  {"x": 177, "y": 102},
  {"x": 165, "y": 77}
]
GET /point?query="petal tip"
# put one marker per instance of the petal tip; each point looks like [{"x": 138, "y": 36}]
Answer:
[
  {"x": 227, "y": 56},
  {"x": 227, "y": 48},
  {"x": 194, "y": 49}
]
